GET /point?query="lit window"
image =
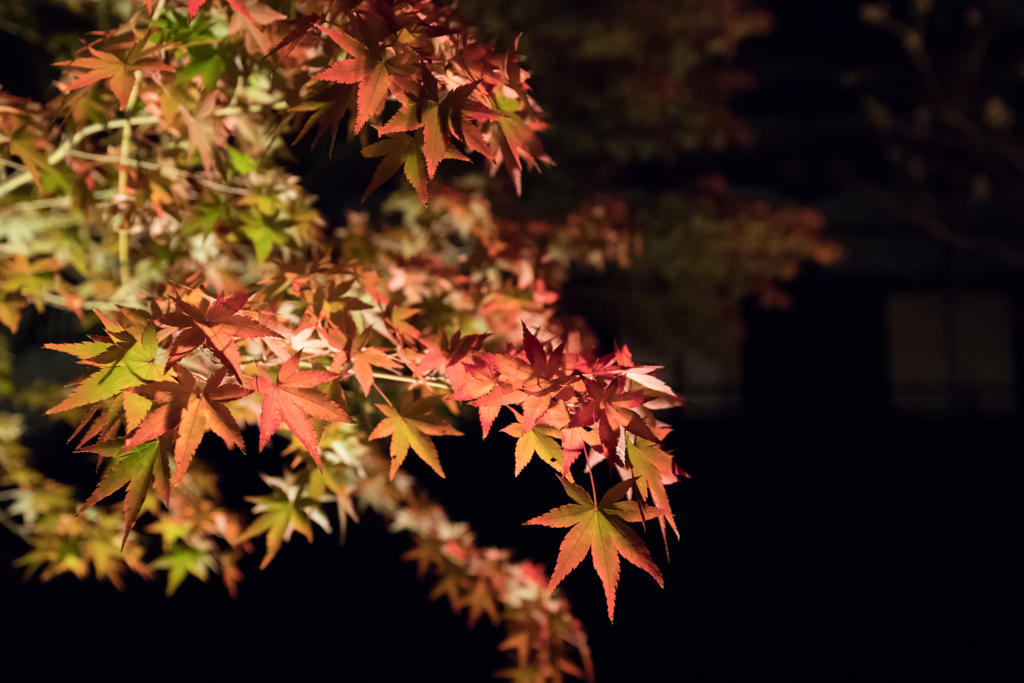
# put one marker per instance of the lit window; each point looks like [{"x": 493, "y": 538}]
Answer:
[{"x": 951, "y": 352}]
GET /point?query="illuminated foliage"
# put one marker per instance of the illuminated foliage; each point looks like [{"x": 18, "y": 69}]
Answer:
[{"x": 152, "y": 200}]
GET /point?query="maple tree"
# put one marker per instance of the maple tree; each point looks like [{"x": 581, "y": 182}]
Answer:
[{"x": 151, "y": 198}]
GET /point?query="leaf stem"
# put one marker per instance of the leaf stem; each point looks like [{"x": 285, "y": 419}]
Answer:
[
  {"x": 593, "y": 488},
  {"x": 383, "y": 395}
]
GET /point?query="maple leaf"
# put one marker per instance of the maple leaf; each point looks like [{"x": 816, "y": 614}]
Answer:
[
  {"x": 301, "y": 27},
  {"x": 611, "y": 408},
  {"x": 293, "y": 399},
  {"x": 480, "y": 601},
  {"x": 139, "y": 468},
  {"x": 601, "y": 531},
  {"x": 650, "y": 465},
  {"x": 427, "y": 554},
  {"x": 120, "y": 72},
  {"x": 368, "y": 67},
  {"x": 129, "y": 360},
  {"x": 399, "y": 151},
  {"x": 280, "y": 514},
  {"x": 27, "y": 148},
  {"x": 530, "y": 383},
  {"x": 460, "y": 115},
  {"x": 206, "y": 132},
  {"x": 190, "y": 410},
  {"x": 540, "y": 441},
  {"x": 215, "y": 325},
  {"x": 436, "y": 139},
  {"x": 105, "y": 427},
  {"x": 181, "y": 561},
  {"x": 454, "y": 116},
  {"x": 413, "y": 427},
  {"x": 364, "y": 361}
]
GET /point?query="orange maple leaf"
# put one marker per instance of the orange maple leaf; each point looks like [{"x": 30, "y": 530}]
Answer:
[
  {"x": 600, "y": 530},
  {"x": 190, "y": 410},
  {"x": 293, "y": 399},
  {"x": 120, "y": 72},
  {"x": 413, "y": 427}
]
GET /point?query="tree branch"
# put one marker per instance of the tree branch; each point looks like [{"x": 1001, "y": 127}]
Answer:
[{"x": 123, "y": 254}]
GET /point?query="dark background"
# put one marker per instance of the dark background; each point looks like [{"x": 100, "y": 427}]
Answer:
[{"x": 823, "y": 534}]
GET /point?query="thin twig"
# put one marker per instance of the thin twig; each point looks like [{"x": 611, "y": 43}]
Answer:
[
  {"x": 13, "y": 164},
  {"x": 164, "y": 169},
  {"x": 222, "y": 188},
  {"x": 158, "y": 10},
  {"x": 410, "y": 380},
  {"x": 63, "y": 202},
  {"x": 58, "y": 301},
  {"x": 62, "y": 151}
]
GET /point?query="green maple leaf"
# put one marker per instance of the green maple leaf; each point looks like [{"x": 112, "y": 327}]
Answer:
[
  {"x": 264, "y": 232},
  {"x": 413, "y": 427},
  {"x": 282, "y": 513},
  {"x": 600, "y": 530},
  {"x": 139, "y": 469},
  {"x": 399, "y": 150},
  {"x": 649, "y": 462},
  {"x": 132, "y": 359},
  {"x": 181, "y": 561}
]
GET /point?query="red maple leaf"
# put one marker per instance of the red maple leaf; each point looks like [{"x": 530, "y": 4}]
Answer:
[
  {"x": 367, "y": 66},
  {"x": 190, "y": 410},
  {"x": 215, "y": 325},
  {"x": 610, "y": 407},
  {"x": 293, "y": 399},
  {"x": 530, "y": 383}
]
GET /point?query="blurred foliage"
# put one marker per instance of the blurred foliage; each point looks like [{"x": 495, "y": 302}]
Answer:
[
  {"x": 955, "y": 137},
  {"x": 631, "y": 89},
  {"x": 632, "y": 81},
  {"x": 703, "y": 254}
]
